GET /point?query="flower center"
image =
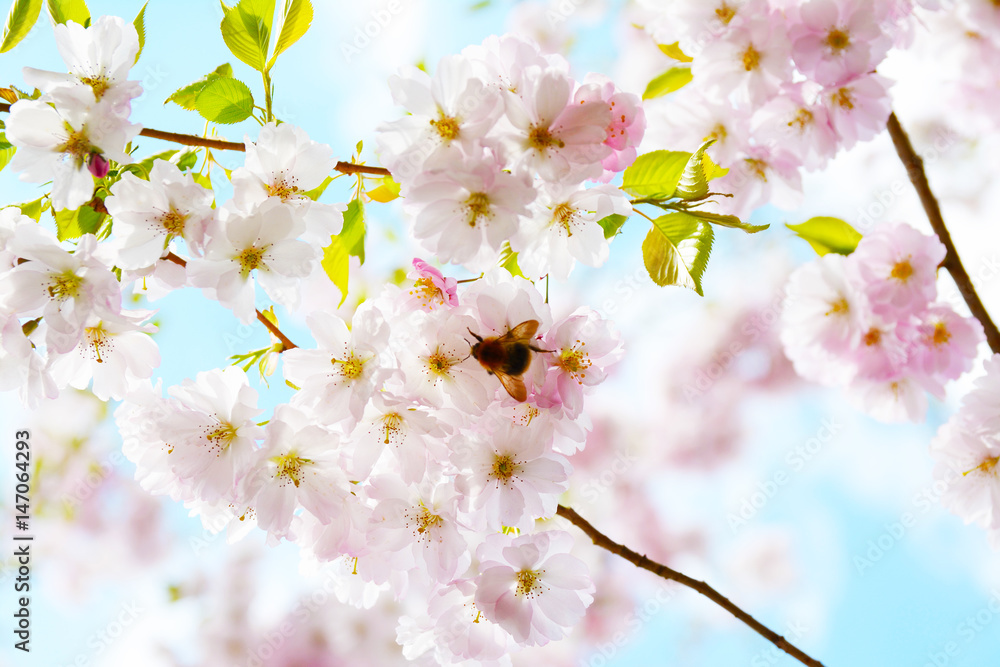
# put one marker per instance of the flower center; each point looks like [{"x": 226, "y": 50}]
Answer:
[
  {"x": 837, "y": 40},
  {"x": 725, "y": 13},
  {"x": 283, "y": 189},
  {"x": 941, "y": 334},
  {"x": 425, "y": 520},
  {"x": 564, "y": 216},
  {"x": 99, "y": 84},
  {"x": 803, "y": 118},
  {"x": 842, "y": 98},
  {"x": 839, "y": 307},
  {"x": 751, "y": 58},
  {"x": 250, "y": 259},
  {"x": 77, "y": 145},
  {"x": 65, "y": 286},
  {"x": 392, "y": 425},
  {"x": 440, "y": 363},
  {"x": 477, "y": 206},
  {"x": 220, "y": 437},
  {"x": 446, "y": 127},
  {"x": 100, "y": 340},
  {"x": 289, "y": 467},
  {"x": 758, "y": 167},
  {"x": 427, "y": 292},
  {"x": 902, "y": 270},
  {"x": 575, "y": 361},
  {"x": 351, "y": 367},
  {"x": 504, "y": 467},
  {"x": 719, "y": 133},
  {"x": 540, "y": 138},
  {"x": 173, "y": 221},
  {"x": 873, "y": 337},
  {"x": 529, "y": 583},
  {"x": 987, "y": 467}
]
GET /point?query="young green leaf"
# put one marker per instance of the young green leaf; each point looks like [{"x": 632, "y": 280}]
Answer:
[
  {"x": 140, "y": 29},
  {"x": 508, "y": 260},
  {"x": 225, "y": 101},
  {"x": 318, "y": 191},
  {"x": 246, "y": 30},
  {"x": 7, "y": 151},
  {"x": 296, "y": 19},
  {"x": 61, "y": 11},
  {"x": 827, "y": 235},
  {"x": 185, "y": 97},
  {"x": 698, "y": 171},
  {"x": 34, "y": 209},
  {"x": 676, "y": 251},
  {"x": 727, "y": 221},
  {"x": 72, "y": 224},
  {"x": 386, "y": 192},
  {"x": 673, "y": 79},
  {"x": 674, "y": 51},
  {"x": 612, "y": 224},
  {"x": 146, "y": 164},
  {"x": 655, "y": 175},
  {"x": 350, "y": 242},
  {"x": 20, "y": 21}
]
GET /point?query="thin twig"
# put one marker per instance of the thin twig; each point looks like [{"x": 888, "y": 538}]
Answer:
[
  {"x": 915, "y": 170},
  {"x": 603, "y": 541},
  {"x": 223, "y": 145},
  {"x": 286, "y": 343}
]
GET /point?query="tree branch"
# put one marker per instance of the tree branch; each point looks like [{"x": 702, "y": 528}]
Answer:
[
  {"x": 915, "y": 170},
  {"x": 603, "y": 541},
  {"x": 286, "y": 343},
  {"x": 223, "y": 145}
]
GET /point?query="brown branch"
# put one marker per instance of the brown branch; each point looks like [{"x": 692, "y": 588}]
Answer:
[
  {"x": 223, "y": 145},
  {"x": 286, "y": 343},
  {"x": 915, "y": 170},
  {"x": 603, "y": 541}
]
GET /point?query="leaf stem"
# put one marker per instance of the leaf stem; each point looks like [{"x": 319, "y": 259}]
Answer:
[
  {"x": 915, "y": 170},
  {"x": 640, "y": 561}
]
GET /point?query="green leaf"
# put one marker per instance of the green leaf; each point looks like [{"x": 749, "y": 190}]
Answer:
[
  {"x": 20, "y": 21},
  {"x": 61, "y": 11},
  {"x": 318, "y": 191},
  {"x": 673, "y": 79},
  {"x": 727, "y": 221},
  {"x": 508, "y": 260},
  {"x": 33, "y": 209},
  {"x": 674, "y": 51},
  {"x": 612, "y": 224},
  {"x": 202, "y": 180},
  {"x": 140, "y": 29},
  {"x": 146, "y": 164},
  {"x": 7, "y": 151},
  {"x": 386, "y": 192},
  {"x": 676, "y": 251},
  {"x": 246, "y": 29},
  {"x": 225, "y": 101},
  {"x": 350, "y": 242},
  {"x": 295, "y": 21},
  {"x": 698, "y": 171},
  {"x": 185, "y": 97},
  {"x": 187, "y": 160},
  {"x": 655, "y": 175},
  {"x": 72, "y": 224},
  {"x": 827, "y": 235}
]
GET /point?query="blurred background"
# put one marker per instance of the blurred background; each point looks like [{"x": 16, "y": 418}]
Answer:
[{"x": 707, "y": 452}]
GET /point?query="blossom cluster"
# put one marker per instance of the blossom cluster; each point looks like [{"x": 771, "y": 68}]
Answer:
[
  {"x": 80, "y": 122},
  {"x": 780, "y": 86},
  {"x": 967, "y": 449},
  {"x": 498, "y": 148},
  {"x": 402, "y": 458},
  {"x": 870, "y": 321}
]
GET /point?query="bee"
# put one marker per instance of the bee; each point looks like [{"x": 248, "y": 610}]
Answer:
[{"x": 508, "y": 356}]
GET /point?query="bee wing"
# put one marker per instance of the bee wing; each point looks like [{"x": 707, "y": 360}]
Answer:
[
  {"x": 513, "y": 385},
  {"x": 524, "y": 330}
]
